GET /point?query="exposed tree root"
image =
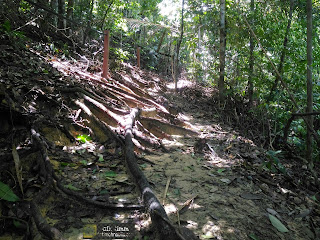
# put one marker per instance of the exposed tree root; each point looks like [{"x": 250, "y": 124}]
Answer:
[
  {"x": 158, "y": 215},
  {"x": 166, "y": 127},
  {"x": 42, "y": 225},
  {"x": 50, "y": 176},
  {"x": 86, "y": 104},
  {"x": 80, "y": 197}
]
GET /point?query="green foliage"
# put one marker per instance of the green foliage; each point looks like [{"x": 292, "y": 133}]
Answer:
[
  {"x": 7, "y": 194},
  {"x": 135, "y": 23},
  {"x": 274, "y": 164},
  {"x": 71, "y": 187},
  {"x": 13, "y": 35},
  {"x": 83, "y": 138},
  {"x": 110, "y": 174},
  {"x": 277, "y": 224},
  {"x": 253, "y": 236},
  {"x": 120, "y": 54}
]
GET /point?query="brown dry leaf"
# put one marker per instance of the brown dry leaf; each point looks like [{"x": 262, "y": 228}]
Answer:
[{"x": 187, "y": 204}]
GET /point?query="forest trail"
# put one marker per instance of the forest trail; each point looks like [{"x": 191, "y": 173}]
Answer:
[
  {"x": 226, "y": 198},
  {"x": 62, "y": 110}
]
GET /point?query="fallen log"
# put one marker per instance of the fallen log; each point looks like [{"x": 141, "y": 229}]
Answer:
[{"x": 159, "y": 218}]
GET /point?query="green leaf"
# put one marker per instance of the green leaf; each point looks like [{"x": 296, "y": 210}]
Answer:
[
  {"x": 100, "y": 158},
  {"x": 7, "y": 194},
  {"x": 84, "y": 162},
  {"x": 7, "y": 26},
  {"x": 143, "y": 166},
  {"x": 83, "y": 138},
  {"x": 314, "y": 198},
  {"x": 277, "y": 224},
  {"x": 69, "y": 186},
  {"x": 111, "y": 174},
  {"x": 253, "y": 236}
]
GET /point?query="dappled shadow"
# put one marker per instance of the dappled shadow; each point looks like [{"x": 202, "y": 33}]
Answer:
[{"x": 209, "y": 177}]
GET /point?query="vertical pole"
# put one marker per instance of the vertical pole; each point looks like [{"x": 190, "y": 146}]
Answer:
[
  {"x": 138, "y": 57},
  {"x": 105, "y": 68}
]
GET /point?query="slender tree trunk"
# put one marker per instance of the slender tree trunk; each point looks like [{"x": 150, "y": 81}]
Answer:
[
  {"x": 69, "y": 15},
  {"x": 176, "y": 62},
  {"x": 309, "y": 83},
  {"x": 61, "y": 10},
  {"x": 251, "y": 58},
  {"x": 222, "y": 50},
  {"x": 54, "y": 7},
  {"x": 161, "y": 40},
  {"x": 283, "y": 54}
]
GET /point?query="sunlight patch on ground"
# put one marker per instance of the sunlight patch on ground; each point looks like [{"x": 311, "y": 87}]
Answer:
[
  {"x": 170, "y": 209},
  {"x": 192, "y": 224},
  {"x": 169, "y": 143},
  {"x": 211, "y": 230},
  {"x": 180, "y": 84}
]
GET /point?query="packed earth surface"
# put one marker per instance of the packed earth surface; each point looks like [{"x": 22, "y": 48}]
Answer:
[{"x": 62, "y": 151}]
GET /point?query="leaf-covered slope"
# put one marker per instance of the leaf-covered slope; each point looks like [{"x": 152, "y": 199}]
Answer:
[{"x": 65, "y": 119}]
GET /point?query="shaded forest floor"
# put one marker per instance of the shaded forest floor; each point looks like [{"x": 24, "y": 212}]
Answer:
[{"x": 62, "y": 152}]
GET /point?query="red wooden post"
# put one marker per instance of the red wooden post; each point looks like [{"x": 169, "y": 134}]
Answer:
[
  {"x": 138, "y": 57},
  {"x": 105, "y": 68}
]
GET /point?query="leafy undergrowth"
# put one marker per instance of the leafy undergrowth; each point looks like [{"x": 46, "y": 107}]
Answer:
[{"x": 62, "y": 155}]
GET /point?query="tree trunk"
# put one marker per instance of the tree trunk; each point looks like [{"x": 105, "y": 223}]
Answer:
[
  {"x": 176, "y": 62},
  {"x": 61, "y": 10},
  {"x": 69, "y": 16},
  {"x": 222, "y": 49},
  {"x": 251, "y": 58},
  {"x": 309, "y": 84},
  {"x": 161, "y": 40},
  {"x": 285, "y": 43},
  {"x": 54, "y": 7}
]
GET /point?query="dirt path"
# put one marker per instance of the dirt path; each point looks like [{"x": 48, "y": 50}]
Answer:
[
  {"x": 76, "y": 119},
  {"x": 227, "y": 200}
]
